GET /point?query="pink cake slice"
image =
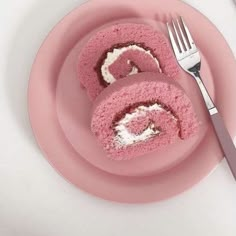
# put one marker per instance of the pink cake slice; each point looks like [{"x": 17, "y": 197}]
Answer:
[
  {"x": 142, "y": 114},
  {"x": 121, "y": 50}
]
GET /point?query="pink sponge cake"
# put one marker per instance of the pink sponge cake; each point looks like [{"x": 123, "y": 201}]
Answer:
[
  {"x": 123, "y": 50},
  {"x": 141, "y": 114}
]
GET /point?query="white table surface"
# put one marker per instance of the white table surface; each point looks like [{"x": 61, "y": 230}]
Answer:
[{"x": 36, "y": 201}]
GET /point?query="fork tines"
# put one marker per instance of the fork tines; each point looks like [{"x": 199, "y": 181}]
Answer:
[{"x": 180, "y": 37}]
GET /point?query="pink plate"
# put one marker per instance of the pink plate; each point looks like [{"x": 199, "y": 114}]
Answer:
[{"x": 60, "y": 110}]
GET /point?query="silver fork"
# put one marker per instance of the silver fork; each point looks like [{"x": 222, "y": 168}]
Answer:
[{"x": 189, "y": 59}]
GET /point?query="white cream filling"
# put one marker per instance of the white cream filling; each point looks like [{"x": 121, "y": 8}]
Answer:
[
  {"x": 124, "y": 137},
  {"x": 115, "y": 54},
  {"x": 134, "y": 69}
]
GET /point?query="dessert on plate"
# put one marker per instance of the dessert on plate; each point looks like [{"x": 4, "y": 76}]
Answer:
[
  {"x": 140, "y": 114},
  {"x": 121, "y": 50},
  {"x": 129, "y": 72}
]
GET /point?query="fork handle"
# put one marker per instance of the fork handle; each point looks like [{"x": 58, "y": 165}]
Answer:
[
  {"x": 222, "y": 133},
  {"x": 225, "y": 140}
]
